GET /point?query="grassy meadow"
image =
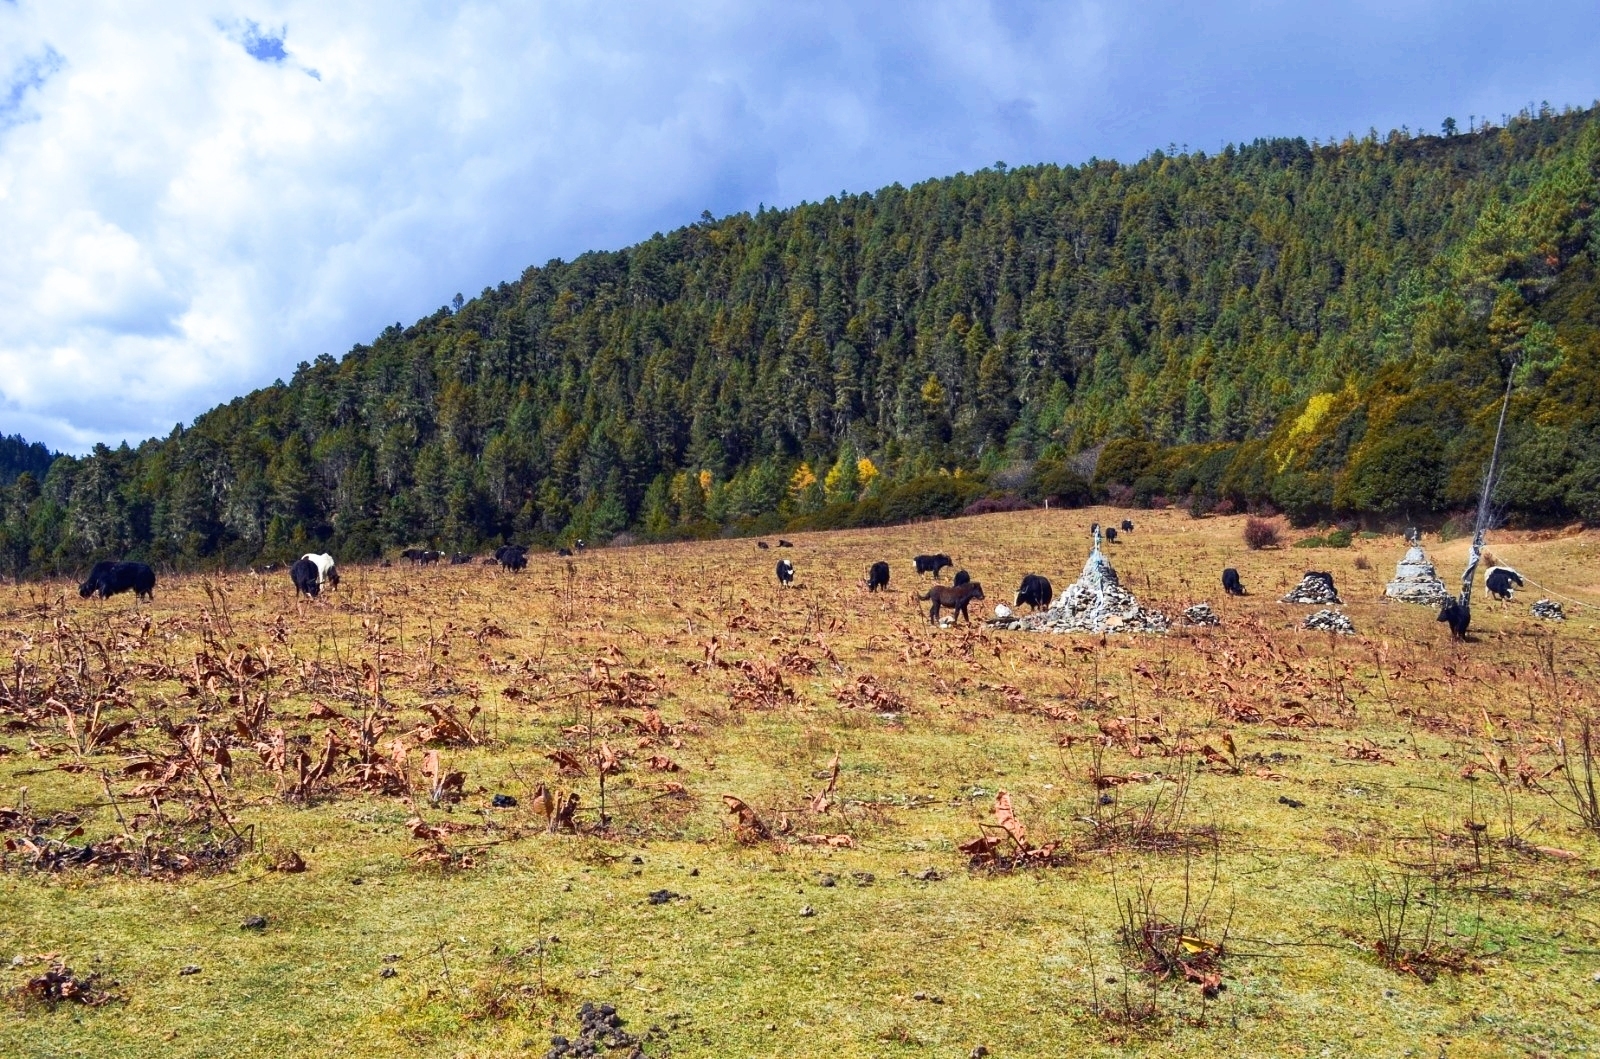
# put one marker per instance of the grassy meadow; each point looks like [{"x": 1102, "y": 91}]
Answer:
[{"x": 1246, "y": 839}]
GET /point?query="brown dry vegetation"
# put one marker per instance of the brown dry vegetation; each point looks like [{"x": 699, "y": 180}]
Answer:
[{"x": 1248, "y": 839}]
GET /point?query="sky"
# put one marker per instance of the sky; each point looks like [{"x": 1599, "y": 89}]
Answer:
[{"x": 197, "y": 196}]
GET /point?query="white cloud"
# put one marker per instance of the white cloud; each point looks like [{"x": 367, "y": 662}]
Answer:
[{"x": 195, "y": 196}]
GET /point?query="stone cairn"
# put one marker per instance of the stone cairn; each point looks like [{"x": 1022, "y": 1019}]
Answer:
[
  {"x": 1329, "y": 621},
  {"x": 1201, "y": 614},
  {"x": 1095, "y": 602},
  {"x": 1415, "y": 580},
  {"x": 1313, "y": 590},
  {"x": 1548, "y": 610}
]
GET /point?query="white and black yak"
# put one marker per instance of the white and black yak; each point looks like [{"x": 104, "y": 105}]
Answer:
[
  {"x": 785, "y": 571},
  {"x": 1499, "y": 582}
]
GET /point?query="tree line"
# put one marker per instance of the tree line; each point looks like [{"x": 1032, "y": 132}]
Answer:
[{"x": 1321, "y": 327}]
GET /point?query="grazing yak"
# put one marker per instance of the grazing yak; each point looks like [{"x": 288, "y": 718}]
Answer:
[
  {"x": 785, "y": 572},
  {"x": 931, "y": 564},
  {"x": 1111, "y": 534},
  {"x": 460, "y": 559},
  {"x": 1452, "y": 613},
  {"x": 421, "y": 556},
  {"x": 878, "y": 576},
  {"x": 961, "y": 578},
  {"x": 327, "y": 572},
  {"x": 785, "y": 544},
  {"x": 1499, "y": 582},
  {"x": 1035, "y": 592},
  {"x": 565, "y": 553},
  {"x": 1231, "y": 583},
  {"x": 110, "y": 578},
  {"x": 512, "y": 556},
  {"x": 306, "y": 577},
  {"x": 955, "y": 598},
  {"x": 1127, "y": 525},
  {"x": 762, "y": 545}
]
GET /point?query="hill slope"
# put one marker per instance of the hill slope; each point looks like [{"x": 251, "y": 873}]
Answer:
[{"x": 1324, "y": 327}]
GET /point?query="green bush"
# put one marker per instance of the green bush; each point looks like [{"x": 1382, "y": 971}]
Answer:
[
  {"x": 1310, "y": 542},
  {"x": 1056, "y": 482}
]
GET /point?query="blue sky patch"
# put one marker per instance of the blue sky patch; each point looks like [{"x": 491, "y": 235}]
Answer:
[
  {"x": 262, "y": 45},
  {"x": 31, "y": 74}
]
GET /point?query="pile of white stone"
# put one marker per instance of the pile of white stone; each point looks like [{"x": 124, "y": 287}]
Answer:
[
  {"x": 1095, "y": 602},
  {"x": 1548, "y": 610},
  {"x": 1329, "y": 621},
  {"x": 1201, "y": 614},
  {"x": 1415, "y": 580},
  {"x": 1314, "y": 590}
]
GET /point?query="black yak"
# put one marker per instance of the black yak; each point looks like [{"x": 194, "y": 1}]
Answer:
[
  {"x": 565, "y": 553},
  {"x": 954, "y": 598},
  {"x": 931, "y": 564},
  {"x": 1458, "y": 617},
  {"x": 512, "y": 556},
  {"x": 1035, "y": 592},
  {"x": 306, "y": 577},
  {"x": 961, "y": 578},
  {"x": 878, "y": 576},
  {"x": 460, "y": 559},
  {"x": 1111, "y": 534},
  {"x": 1499, "y": 582},
  {"x": 785, "y": 572},
  {"x": 110, "y": 578},
  {"x": 1231, "y": 583},
  {"x": 762, "y": 545},
  {"x": 785, "y": 544},
  {"x": 1127, "y": 525}
]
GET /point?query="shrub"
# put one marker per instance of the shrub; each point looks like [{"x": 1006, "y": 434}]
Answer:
[
  {"x": 1060, "y": 484},
  {"x": 988, "y": 505},
  {"x": 1310, "y": 542},
  {"x": 1262, "y": 533},
  {"x": 1339, "y": 538}
]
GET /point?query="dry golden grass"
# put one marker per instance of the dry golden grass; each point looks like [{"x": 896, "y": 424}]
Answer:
[{"x": 1250, "y": 806}]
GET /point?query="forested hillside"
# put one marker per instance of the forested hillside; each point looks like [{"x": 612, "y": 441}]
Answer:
[
  {"x": 17, "y": 457},
  {"x": 1325, "y": 328}
]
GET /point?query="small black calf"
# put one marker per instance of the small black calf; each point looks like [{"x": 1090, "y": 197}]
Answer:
[
  {"x": 1111, "y": 534},
  {"x": 305, "y": 575},
  {"x": 762, "y": 545},
  {"x": 785, "y": 544},
  {"x": 1231, "y": 583},
  {"x": 1127, "y": 525},
  {"x": 961, "y": 578},
  {"x": 878, "y": 576},
  {"x": 1457, "y": 617}
]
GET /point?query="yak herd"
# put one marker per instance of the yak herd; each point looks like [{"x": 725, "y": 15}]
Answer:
[{"x": 314, "y": 571}]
